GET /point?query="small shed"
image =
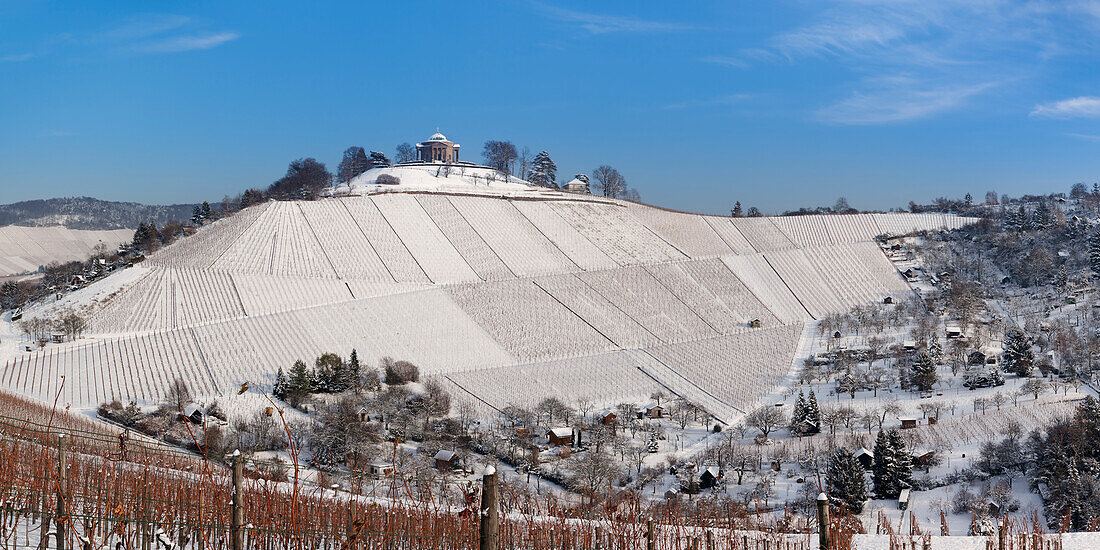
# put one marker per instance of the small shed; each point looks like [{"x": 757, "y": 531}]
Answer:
[
  {"x": 903, "y": 499},
  {"x": 866, "y": 458},
  {"x": 608, "y": 418},
  {"x": 923, "y": 458},
  {"x": 756, "y": 323},
  {"x": 57, "y": 337},
  {"x": 836, "y": 334},
  {"x": 560, "y": 436},
  {"x": 710, "y": 477},
  {"x": 909, "y": 345},
  {"x": 908, "y": 423},
  {"x": 994, "y": 508},
  {"x": 953, "y": 331},
  {"x": 975, "y": 358},
  {"x": 652, "y": 411},
  {"x": 194, "y": 413},
  {"x": 362, "y": 414},
  {"x": 380, "y": 469},
  {"x": 888, "y": 300},
  {"x": 445, "y": 460}
]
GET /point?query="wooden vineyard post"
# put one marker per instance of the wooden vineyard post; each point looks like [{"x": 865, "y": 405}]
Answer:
[
  {"x": 650, "y": 535},
  {"x": 62, "y": 490},
  {"x": 489, "y": 520},
  {"x": 823, "y": 521},
  {"x": 236, "y": 514},
  {"x": 146, "y": 527}
]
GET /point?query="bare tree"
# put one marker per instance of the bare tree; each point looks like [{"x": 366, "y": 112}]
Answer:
[
  {"x": 178, "y": 394},
  {"x": 766, "y": 419},
  {"x": 609, "y": 181}
]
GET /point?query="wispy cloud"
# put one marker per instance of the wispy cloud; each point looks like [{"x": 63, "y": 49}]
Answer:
[
  {"x": 142, "y": 26},
  {"x": 1075, "y": 107},
  {"x": 731, "y": 99},
  {"x": 187, "y": 43},
  {"x": 595, "y": 23},
  {"x": 14, "y": 58},
  {"x": 728, "y": 61},
  {"x": 949, "y": 51},
  {"x": 1086, "y": 137},
  {"x": 899, "y": 99}
]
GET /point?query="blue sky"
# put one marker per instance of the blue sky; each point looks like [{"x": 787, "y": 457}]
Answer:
[{"x": 777, "y": 104}]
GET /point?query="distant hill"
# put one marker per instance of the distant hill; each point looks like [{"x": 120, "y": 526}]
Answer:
[{"x": 90, "y": 213}]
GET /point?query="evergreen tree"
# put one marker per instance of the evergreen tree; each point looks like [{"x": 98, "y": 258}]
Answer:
[
  {"x": 279, "y": 390},
  {"x": 9, "y": 295},
  {"x": 379, "y": 159},
  {"x": 1011, "y": 222},
  {"x": 935, "y": 350},
  {"x": 903, "y": 473},
  {"x": 543, "y": 171},
  {"x": 813, "y": 414},
  {"x": 798, "y": 417},
  {"x": 736, "y": 212},
  {"x": 1023, "y": 219},
  {"x": 196, "y": 215},
  {"x": 207, "y": 212},
  {"x": 1094, "y": 252},
  {"x": 300, "y": 384},
  {"x": 1018, "y": 357},
  {"x": 1061, "y": 281},
  {"x": 968, "y": 200},
  {"x": 846, "y": 481},
  {"x": 1043, "y": 217},
  {"x": 354, "y": 373},
  {"x": 882, "y": 467},
  {"x": 924, "y": 372}
]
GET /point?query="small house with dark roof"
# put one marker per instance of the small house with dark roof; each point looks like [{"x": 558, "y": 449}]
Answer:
[
  {"x": 866, "y": 458},
  {"x": 193, "y": 413}
]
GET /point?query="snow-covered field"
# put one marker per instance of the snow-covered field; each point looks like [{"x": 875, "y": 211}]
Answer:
[
  {"x": 510, "y": 282},
  {"x": 25, "y": 249}
]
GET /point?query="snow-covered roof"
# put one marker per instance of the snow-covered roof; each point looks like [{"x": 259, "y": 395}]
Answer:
[
  {"x": 863, "y": 451},
  {"x": 437, "y": 136},
  {"x": 575, "y": 181},
  {"x": 713, "y": 469},
  {"x": 191, "y": 409},
  {"x": 562, "y": 432},
  {"x": 444, "y": 454}
]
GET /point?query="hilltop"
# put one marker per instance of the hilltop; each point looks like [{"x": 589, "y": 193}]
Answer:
[{"x": 90, "y": 214}]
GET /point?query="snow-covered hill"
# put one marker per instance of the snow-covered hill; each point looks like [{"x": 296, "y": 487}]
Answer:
[
  {"x": 503, "y": 291},
  {"x": 25, "y": 249}
]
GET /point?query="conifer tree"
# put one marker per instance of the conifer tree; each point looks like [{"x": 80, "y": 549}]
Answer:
[
  {"x": 1018, "y": 357},
  {"x": 935, "y": 350},
  {"x": 543, "y": 171},
  {"x": 798, "y": 416},
  {"x": 279, "y": 390},
  {"x": 903, "y": 473},
  {"x": 1061, "y": 281},
  {"x": 882, "y": 467},
  {"x": 813, "y": 414},
  {"x": 353, "y": 373},
  {"x": 300, "y": 384},
  {"x": 924, "y": 372},
  {"x": 846, "y": 481},
  {"x": 1094, "y": 252},
  {"x": 968, "y": 200}
]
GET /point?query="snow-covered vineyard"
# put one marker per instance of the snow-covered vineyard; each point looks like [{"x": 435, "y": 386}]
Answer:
[
  {"x": 503, "y": 298},
  {"x": 25, "y": 249}
]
